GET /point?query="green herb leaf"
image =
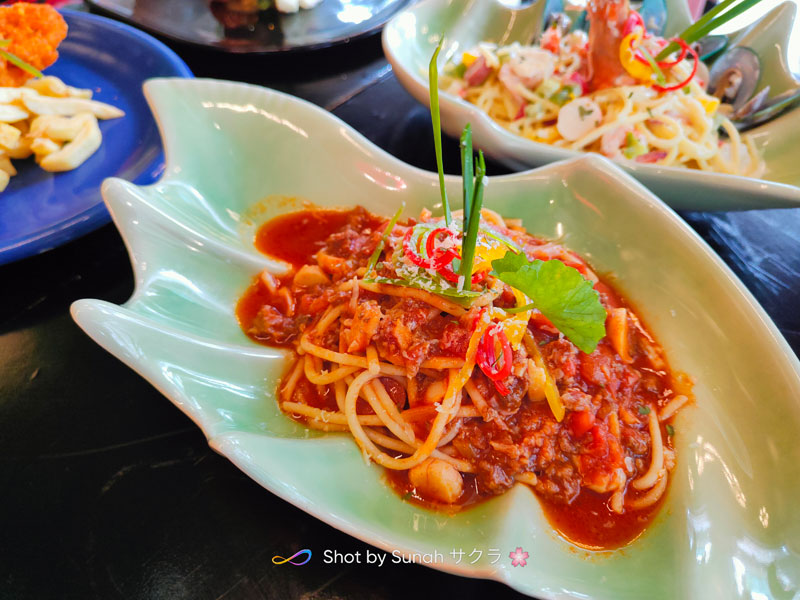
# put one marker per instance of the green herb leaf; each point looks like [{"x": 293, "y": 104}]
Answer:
[
  {"x": 463, "y": 297},
  {"x": 470, "y": 240},
  {"x": 467, "y": 163},
  {"x": 561, "y": 293},
  {"x": 382, "y": 243},
  {"x": 584, "y": 112},
  {"x": 644, "y": 410},
  {"x": 670, "y": 430},
  {"x": 433, "y": 82},
  {"x": 633, "y": 146},
  {"x": 406, "y": 496}
]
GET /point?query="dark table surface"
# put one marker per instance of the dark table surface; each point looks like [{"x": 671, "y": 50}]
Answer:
[{"x": 109, "y": 491}]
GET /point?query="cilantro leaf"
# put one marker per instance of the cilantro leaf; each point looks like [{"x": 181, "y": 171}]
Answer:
[
  {"x": 644, "y": 410},
  {"x": 670, "y": 430},
  {"x": 561, "y": 293}
]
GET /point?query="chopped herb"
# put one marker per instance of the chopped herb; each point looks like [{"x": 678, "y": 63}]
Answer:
[
  {"x": 561, "y": 293},
  {"x": 630, "y": 95},
  {"x": 644, "y": 410},
  {"x": 584, "y": 112},
  {"x": 650, "y": 112},
  {"x": 433, "y": 82},
  {"x": 686, "y": 90},
  {"x": 459, "y": 70},
  {"x": 408, "y": 495},
  {"x": 670, "y": 430},
  {"x": 563, "y": 95},
  {"x": 633, "y": 146}
]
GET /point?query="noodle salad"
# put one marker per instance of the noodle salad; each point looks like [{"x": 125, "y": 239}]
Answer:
[{"x": 606, "y": 92}]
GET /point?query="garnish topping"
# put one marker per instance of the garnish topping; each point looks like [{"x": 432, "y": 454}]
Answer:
[{"x": 560, "y": 293}]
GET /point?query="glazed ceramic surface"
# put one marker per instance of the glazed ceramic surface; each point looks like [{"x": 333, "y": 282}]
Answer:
[
  {"x": 238, "y": 155},
  {"x": 410, "y": 38},
  {"x": 193, "y": 21},
  {"x": 41, "y": 210}
]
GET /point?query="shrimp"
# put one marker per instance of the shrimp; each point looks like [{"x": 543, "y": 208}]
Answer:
[
  {"x": 607, "y": 19},
  {"x": 34, "y": 32}
]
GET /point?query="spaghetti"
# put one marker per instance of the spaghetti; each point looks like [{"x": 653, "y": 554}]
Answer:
[
  {"x": 606, "y": 93},
  {"x": 460, "y": 397}
]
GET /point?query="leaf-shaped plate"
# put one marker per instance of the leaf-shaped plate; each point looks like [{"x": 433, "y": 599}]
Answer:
[
  {"x": 410, "y": 38},
  {"x": 238, "y": 155}
]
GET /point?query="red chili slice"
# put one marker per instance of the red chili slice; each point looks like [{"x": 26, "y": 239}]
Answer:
[
  {"x": 434, "y": 263},
  {"x": 634, "y": 20},
  {"x": 447, "y": 272},
  {"x": 678, "y": 86},
  {"x": 664, "y": 64},
  {"x": 436, "y": 252},
  {"x": 488, "y": 359}
]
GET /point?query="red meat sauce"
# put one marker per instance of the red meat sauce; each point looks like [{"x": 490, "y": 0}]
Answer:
[{"x": 568, "y": 458}]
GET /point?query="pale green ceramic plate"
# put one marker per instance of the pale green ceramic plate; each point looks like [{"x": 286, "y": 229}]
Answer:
[
  {"x": 410, "y": 38},
  {"x": 729, "y": 528}
]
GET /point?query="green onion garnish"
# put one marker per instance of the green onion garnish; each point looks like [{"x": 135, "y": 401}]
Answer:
[
  {"x": 16, "y": 60},
  {"x": 466, "y": 172},
  {"x": 470, "y": 240},
  {"x": 373, "y": 260},
  {"x": 707, "y": 23},
  {"x": 433, "y": 82},
  {"x": 660, "y": 79}
]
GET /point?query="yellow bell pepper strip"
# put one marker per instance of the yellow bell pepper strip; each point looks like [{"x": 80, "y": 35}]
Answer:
[{"x": 627, "y": 57}]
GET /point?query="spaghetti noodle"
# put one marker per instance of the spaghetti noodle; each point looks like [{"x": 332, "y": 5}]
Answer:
[
  {"x": 457, "y": 397},
  {"x": 605, "y": 93}
]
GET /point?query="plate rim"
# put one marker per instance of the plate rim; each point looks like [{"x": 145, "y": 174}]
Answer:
[
  {"x": 111, "y": 13},
  {"x": 80, "y": 308},
  {"x": 783, "y": 195},
  {"x": 56, "y": 234}
]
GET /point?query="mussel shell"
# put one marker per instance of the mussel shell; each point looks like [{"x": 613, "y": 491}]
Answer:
[
  {"x": 711, "y": 45},
  {"x": 748, "y": 63}
]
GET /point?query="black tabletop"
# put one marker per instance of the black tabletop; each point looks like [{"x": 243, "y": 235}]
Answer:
[{"x": 109, "y": 491}]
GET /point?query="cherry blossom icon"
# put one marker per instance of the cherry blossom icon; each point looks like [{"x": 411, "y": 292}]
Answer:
[{"x": 519, "y": 558}]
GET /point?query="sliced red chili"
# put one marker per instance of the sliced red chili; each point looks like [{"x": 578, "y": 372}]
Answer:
[
  {"x": 634, "y": 20},
  {"x": 664, "y": 64},
  {"x": 412, "y": 254},
  {"x": 489, "y": 361},
  {"x": 437, "y": 252},
  {"x": 450, "y": 275},
  {"x": 678, "y": 86}
]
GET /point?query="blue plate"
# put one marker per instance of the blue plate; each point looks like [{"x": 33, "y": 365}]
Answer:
[{"x": 40, "y": 210}]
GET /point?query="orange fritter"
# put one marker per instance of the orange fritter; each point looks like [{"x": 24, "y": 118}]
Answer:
[{"x": 35, "y": 31}]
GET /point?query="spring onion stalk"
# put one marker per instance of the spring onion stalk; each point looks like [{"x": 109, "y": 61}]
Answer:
[
  {"x": 466, "y": 172},
  {"x": 16, "y": 60},
  {"x": 660, "y": 79},
  {"x": 471, "y": 238},
  {"x": 433, "y": 82},
  {"x": 373, "y": 260},
  {"x": 708, "y": 22}
]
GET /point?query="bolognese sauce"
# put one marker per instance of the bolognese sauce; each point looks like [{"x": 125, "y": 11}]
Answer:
[{"x": 600, "y": 471}]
